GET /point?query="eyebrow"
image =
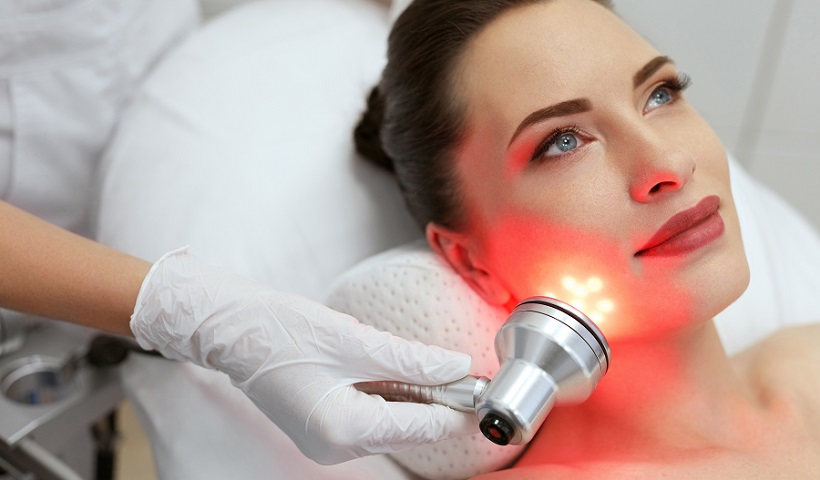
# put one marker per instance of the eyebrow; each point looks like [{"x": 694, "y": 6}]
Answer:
[
  {"x": 580, "y": 105},
  {"x": 649, "y": 69},
  {"x": 570, "y": 107}
]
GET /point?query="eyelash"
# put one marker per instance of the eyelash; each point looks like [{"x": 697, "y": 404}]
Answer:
[
  {"x": 678, "y": 83},
  {"x": 675, "y": 84}
]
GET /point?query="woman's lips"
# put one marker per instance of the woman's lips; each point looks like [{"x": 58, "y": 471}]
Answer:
[{"x": 686, "y": 231}]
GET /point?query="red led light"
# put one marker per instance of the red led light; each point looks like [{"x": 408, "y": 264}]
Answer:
[
  {"x": 596, "y": 272},
  {"x": 587, "y": 295}
]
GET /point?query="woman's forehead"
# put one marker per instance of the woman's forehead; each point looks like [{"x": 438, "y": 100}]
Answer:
[
  {"x": 542, "y": 54},
  {"x": 570, "y": 39}
]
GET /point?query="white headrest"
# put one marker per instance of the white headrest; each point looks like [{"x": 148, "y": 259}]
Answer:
[{"x": 413, "y": 293}]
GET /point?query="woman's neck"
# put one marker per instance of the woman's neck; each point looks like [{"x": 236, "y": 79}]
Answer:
[{"x": 678, "y": 393}]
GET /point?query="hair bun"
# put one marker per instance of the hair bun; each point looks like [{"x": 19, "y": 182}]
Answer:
[{"x": 367, "y": 134}]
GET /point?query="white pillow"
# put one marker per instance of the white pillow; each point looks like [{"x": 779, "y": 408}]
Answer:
[
  {"x": 411, "y": 292},
  {"x": 241, "y": 145},
  {"x": 783, "y": 251}
]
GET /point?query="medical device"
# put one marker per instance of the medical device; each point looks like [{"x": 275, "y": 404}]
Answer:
[{"x": 550, "y": 353}]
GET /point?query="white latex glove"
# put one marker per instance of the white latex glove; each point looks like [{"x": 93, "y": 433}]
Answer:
[{"x": 297, "y": 360}]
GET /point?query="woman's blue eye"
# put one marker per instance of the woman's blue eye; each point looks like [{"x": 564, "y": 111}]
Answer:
[
  {"x": 564, "y": 143},
  {"x": 659, "y": 97},
  {"x": 668, "y": 92}
]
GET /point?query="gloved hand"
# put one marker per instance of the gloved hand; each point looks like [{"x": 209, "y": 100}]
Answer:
[{"x": 297, "y": 360}]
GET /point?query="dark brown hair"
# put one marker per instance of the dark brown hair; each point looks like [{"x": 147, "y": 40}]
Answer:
[{"x": 414, "y": 122}]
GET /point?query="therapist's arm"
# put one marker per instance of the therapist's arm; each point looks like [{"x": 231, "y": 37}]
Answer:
[
  {"x": 295, "y": 359},
  {"x": 51, "y": 272}
]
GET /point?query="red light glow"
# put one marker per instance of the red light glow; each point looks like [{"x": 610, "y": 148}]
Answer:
[
  {"x": 587, "y": 295},
  {"x": 597, "y": 274}
]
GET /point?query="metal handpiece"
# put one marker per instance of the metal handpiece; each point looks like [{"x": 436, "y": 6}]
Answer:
[
  {"x": 460, "y": 395},
  {"x": 550, "y": 353}
]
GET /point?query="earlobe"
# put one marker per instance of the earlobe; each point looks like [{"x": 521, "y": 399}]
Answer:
[{"x": 455, "y": 249}]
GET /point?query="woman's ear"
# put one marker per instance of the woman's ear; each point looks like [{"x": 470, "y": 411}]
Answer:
[{"x": 457, "y": 250}]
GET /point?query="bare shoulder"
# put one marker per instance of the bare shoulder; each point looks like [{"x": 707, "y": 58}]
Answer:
[
  {"x": 804, "y": 336},
  {"x": 797, "y": 341},
  {"x": 790, "y": 356}
]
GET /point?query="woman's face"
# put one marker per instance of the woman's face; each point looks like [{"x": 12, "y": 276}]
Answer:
[{"x": 587, "y": 177}]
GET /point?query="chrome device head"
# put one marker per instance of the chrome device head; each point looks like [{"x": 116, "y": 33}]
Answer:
[{"x": 550, "y": 353}]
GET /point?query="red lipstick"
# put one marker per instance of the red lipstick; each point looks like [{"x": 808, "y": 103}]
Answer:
[{"x": 686, "y": 231}]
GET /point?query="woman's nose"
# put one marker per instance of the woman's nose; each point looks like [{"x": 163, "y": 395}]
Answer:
[{"x": 659, "y": 167}]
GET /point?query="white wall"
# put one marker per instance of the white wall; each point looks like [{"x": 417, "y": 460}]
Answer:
[{"x": 786, "y": 149}]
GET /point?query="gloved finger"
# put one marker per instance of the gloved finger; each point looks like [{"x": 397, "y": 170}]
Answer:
[
  {"x": 399, "y": 426},
  {"x": 352, "y": 424},
  {"x": 388, "y": 357}
]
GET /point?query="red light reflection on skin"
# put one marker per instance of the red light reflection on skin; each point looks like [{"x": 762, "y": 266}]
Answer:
[{"x": 624, "y": 295}]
